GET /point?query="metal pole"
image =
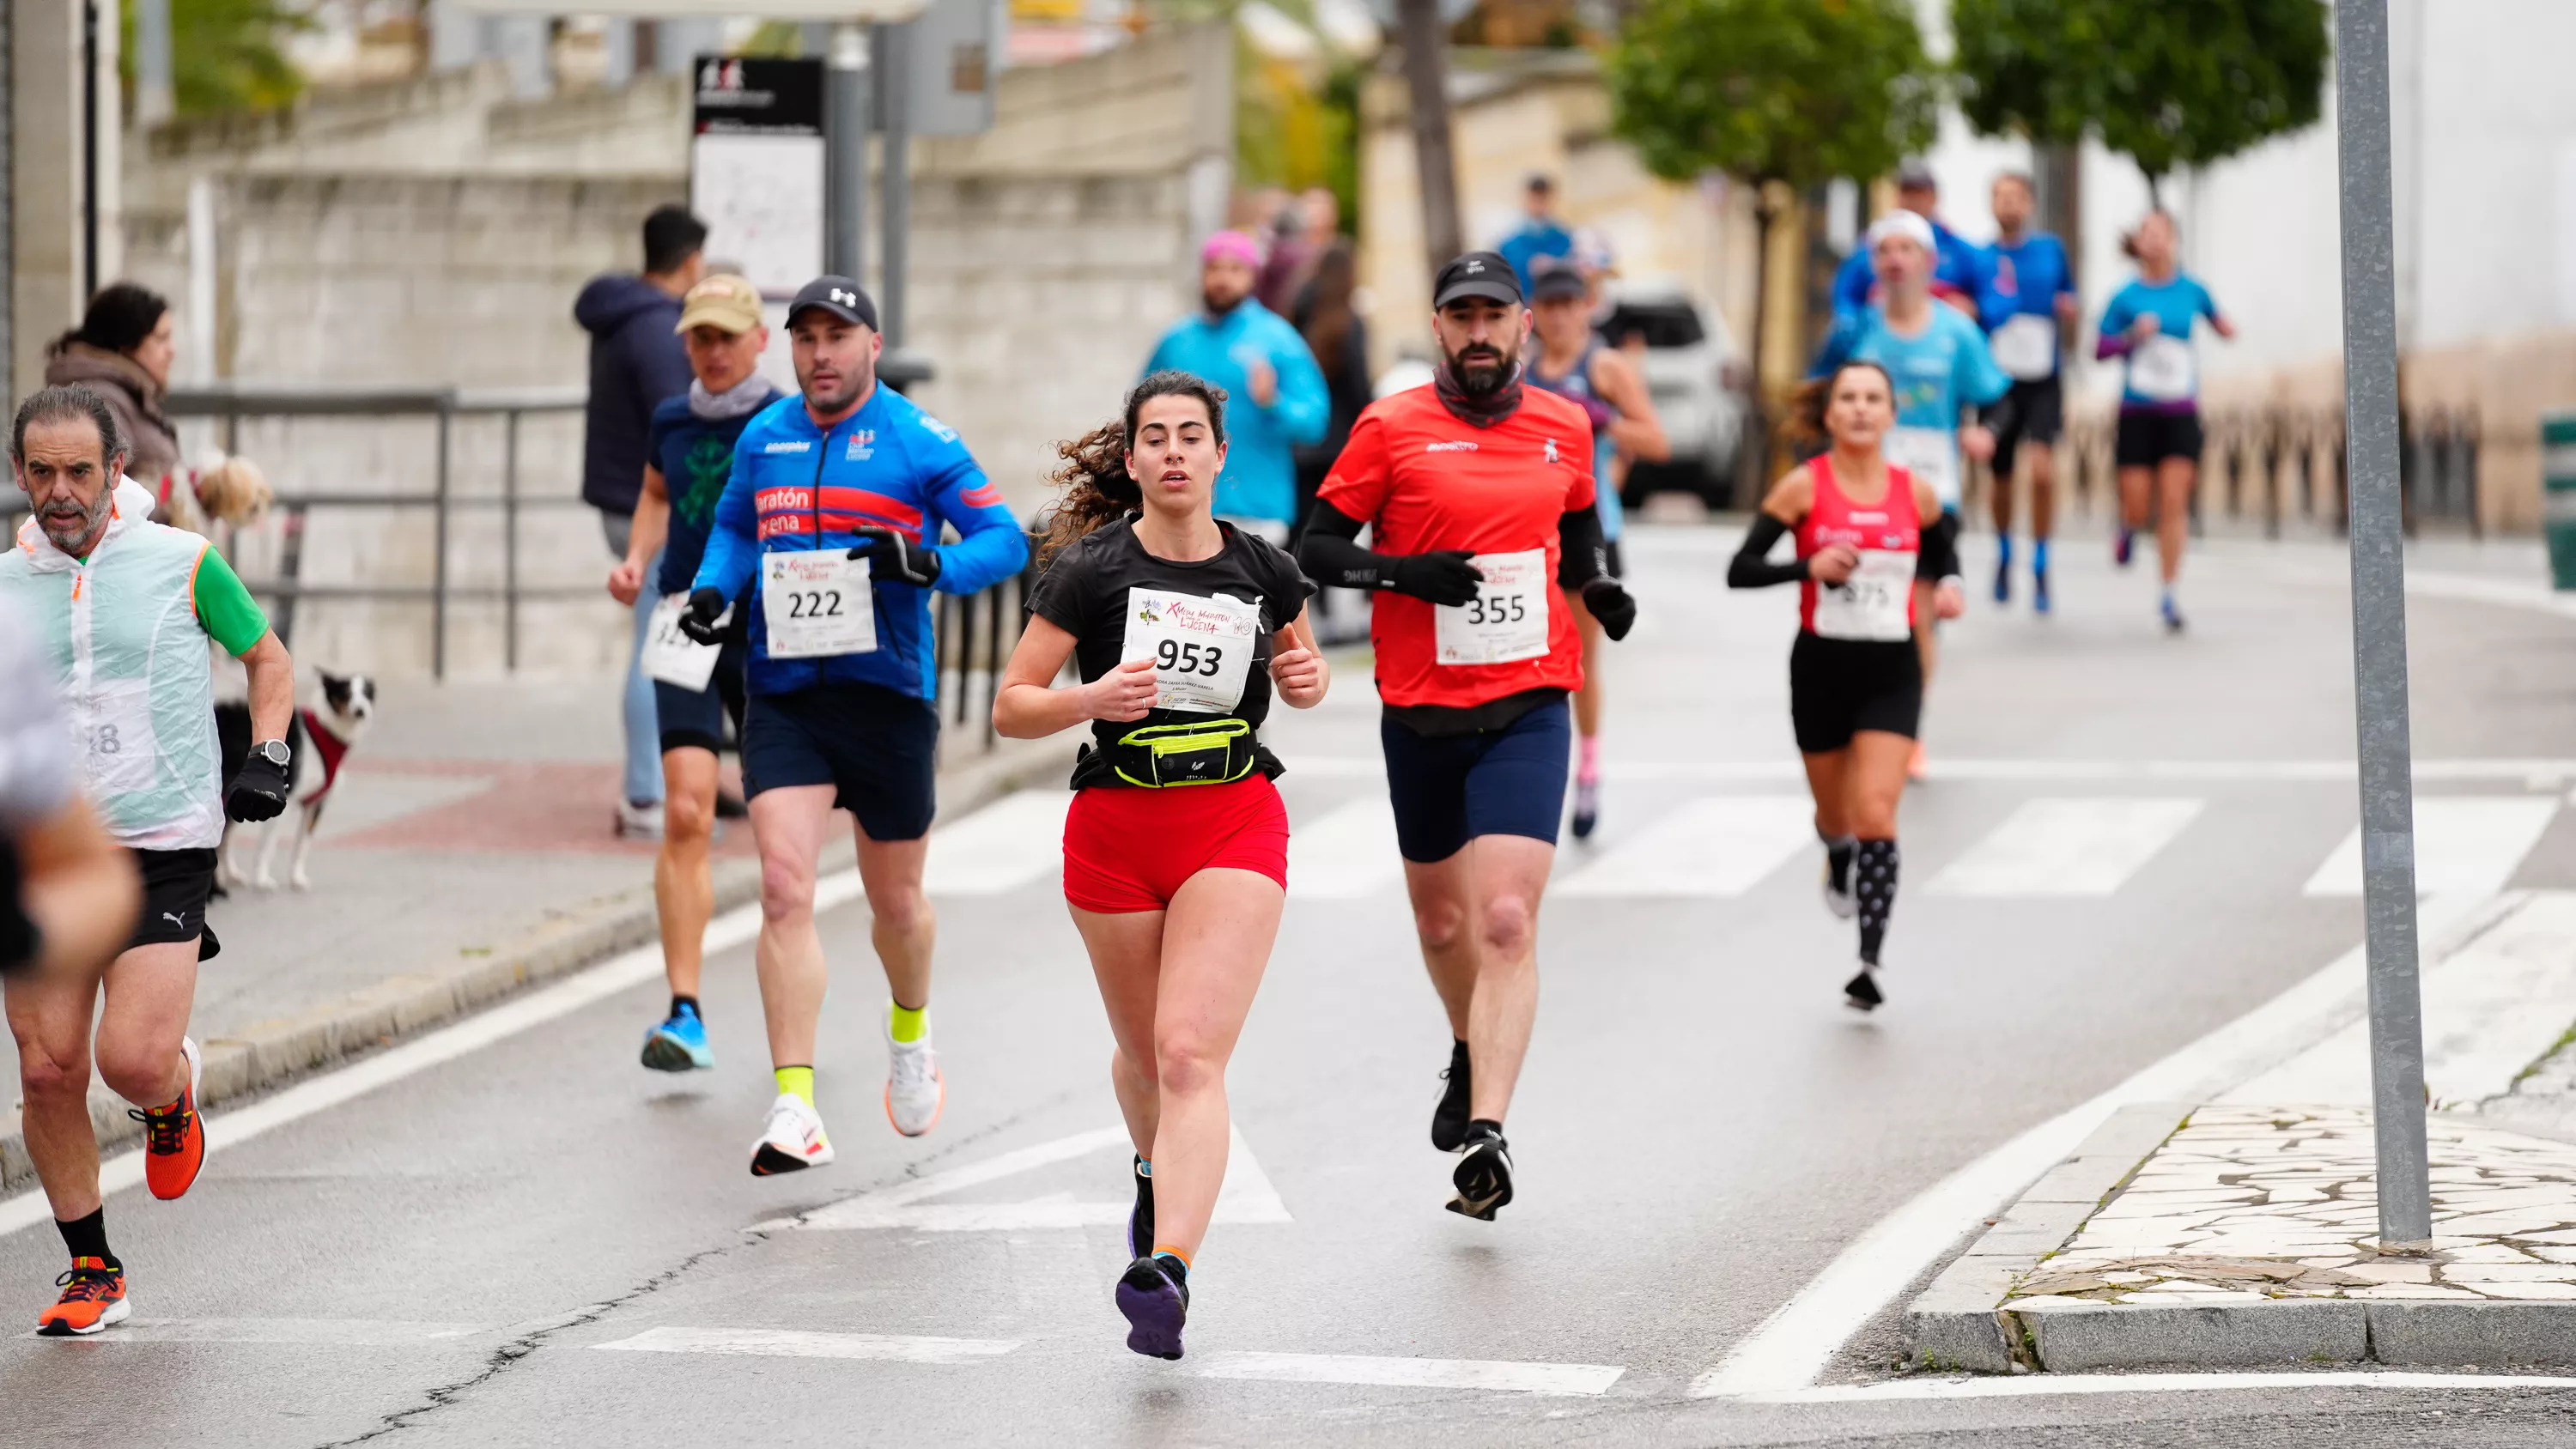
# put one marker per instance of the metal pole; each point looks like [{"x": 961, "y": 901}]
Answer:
[
  {"x": 2379, "y": 620},
  {"x": 510, "y": 541},
  {"x": 894, "y": 81},
  {"x": 438, "y": 546},
  {"x": 845, "y": 149}
]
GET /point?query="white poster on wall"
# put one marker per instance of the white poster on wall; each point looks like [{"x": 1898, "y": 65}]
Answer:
[{"x": 761, "y": 197}]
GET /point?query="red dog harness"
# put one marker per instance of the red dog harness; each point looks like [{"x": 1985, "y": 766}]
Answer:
[{"x": 330, "y": 747}]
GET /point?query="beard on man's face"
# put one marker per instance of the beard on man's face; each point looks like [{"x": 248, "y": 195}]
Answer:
[
  {"x": 68, "y": 526},
  {"x": 1218, "y": 303},
  {"x": 1481, "y": 368}
]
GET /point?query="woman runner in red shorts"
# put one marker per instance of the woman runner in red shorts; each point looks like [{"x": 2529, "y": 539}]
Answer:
[{"x": 1176, "y": 846}]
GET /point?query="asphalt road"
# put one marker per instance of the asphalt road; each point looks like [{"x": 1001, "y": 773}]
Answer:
[{"x": 538, "y": 1242}]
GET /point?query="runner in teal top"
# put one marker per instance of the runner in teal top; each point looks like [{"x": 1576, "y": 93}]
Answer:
[{"x": 2148, "y": 326}]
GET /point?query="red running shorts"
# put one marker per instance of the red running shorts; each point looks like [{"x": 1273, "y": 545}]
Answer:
[{"x": 1129, "y": 849}]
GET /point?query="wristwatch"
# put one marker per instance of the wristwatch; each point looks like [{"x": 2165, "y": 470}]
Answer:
[{"x": 273, "y": 751}]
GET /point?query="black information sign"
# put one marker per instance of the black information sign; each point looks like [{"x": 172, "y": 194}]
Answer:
[{"x": 759, "y": 97}]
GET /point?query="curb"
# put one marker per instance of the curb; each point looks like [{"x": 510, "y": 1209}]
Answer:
[
  {"x": 1959, "y": 1322},
  {"x": 268, "y": 1053},
  {"x": 1956, "y": 1322}
]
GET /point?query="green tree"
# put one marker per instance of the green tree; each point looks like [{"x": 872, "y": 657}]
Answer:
[
  {"x": 1797, "y": 92},
  {"x": 2174, "y": 83},
  {"x": 225, "y": 55}
]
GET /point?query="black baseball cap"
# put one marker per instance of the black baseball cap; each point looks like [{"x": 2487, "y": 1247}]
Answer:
[
  {"x": 1477, "y": 274},
  {"x": 839, "y": 296},
  {"x": 1560, "y": 280}
]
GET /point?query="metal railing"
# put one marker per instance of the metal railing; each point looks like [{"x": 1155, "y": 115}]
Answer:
[
  {"x": 2284, "y": 466},
  {"x": 230, "y": 404}
]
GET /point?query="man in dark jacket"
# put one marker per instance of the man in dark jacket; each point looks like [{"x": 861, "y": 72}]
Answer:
[{"x": 636, "y": 360}]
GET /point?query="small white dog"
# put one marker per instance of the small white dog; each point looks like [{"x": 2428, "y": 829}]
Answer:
[{"x": 320, "y": 734}]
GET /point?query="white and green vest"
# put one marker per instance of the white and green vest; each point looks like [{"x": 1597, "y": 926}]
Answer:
[{"x": 123, "y": 631}]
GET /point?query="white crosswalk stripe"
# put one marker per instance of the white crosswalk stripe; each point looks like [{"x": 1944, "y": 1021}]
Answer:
[
  {"x": 2464, "y": 845},
  {"x": 1346, "y": 854},
  {"x": 1000, "y": 848},
  {"x": 2066, "y": 846},
  {"x": 1719, "y": 845}
]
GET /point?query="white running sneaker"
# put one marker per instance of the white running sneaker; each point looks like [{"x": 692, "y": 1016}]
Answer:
[
  {"x": 915, "y": 1092},
  {"x": 793, "y": 1140}
]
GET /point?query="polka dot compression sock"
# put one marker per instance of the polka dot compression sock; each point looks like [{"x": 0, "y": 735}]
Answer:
[{"x": 1874, "y": 884}]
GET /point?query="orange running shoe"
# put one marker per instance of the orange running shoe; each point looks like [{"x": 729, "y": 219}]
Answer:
[
  {"x": 174, "y": 1139},
  {"x": 93, "y": 1297}
]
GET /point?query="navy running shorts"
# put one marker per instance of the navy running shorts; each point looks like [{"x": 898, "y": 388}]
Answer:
[
  {"x": 1448, "y": 790},
  {"x": 877, "y": 748}
]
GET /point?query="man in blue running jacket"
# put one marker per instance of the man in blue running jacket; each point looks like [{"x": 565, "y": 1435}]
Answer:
[{"x": 828, "y": 532}]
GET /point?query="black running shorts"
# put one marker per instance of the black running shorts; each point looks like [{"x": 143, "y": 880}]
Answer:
[
  {"x": 2147, "y": 438},
  {"x": 1839, "y": 687},
  {"x": 2033, "y": 412},
  {"x": 176, "y": 884}
]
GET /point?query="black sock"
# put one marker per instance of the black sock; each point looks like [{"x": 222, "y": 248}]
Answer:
[
  {"x": 1171, "y": 1263},
  {"x": 1874, "y": 883},
  {"x": 1479, "y": 1125},
  {"x": 691, "y": 1002},
  {"x": 87, "y": 1237},
  {"x": 1838, "y": 859}
]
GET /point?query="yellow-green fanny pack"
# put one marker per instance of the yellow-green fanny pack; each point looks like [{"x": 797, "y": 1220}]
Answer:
[{"x": 1159, "y": 757}]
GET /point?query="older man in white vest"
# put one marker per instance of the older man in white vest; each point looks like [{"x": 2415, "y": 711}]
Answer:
[{"x": 124, "y": 606}]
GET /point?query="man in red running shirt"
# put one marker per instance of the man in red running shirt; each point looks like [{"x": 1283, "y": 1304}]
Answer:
[{"x": 1478, "y": 494}]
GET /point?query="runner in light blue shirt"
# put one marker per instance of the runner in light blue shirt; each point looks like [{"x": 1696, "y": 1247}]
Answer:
[{"x": 1937, "y": 357}]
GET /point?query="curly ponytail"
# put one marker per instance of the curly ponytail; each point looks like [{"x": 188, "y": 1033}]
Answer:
[
  {"x": 1097, "y": 490},
  {"x": 1805, "y": 425}
]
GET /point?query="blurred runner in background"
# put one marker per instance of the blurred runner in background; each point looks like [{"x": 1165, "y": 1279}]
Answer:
[
  {"x": 2148, "y": 326},
  {"x": 1263, "y": 365},
  {"x": 2028, "y": 300}
]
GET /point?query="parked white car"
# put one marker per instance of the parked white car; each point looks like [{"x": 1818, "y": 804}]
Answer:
[{"x": 1697, "y": 376}]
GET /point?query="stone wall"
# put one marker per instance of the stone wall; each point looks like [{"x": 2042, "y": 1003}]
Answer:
[{"x": 1047, "y": 256}]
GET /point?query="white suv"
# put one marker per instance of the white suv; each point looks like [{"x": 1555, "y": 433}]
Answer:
[{"x": 1697, "y": 377}]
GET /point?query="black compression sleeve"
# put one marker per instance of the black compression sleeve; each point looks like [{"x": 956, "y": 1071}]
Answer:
[
  {"x": 1330, "y": 552},
  {"x": 1939, "y": 557},
  {"x": 1752, "y": 567},
  {"x": 1582, "y": 556}
]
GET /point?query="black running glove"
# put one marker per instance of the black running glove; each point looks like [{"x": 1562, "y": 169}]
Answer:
[
  {"x": 893, "y": 558},
  {"x": 259, "y": 791},
  {"x": 1611, "y": 605},
  {"x": 698, "y": 621},
  {"x": 1443, "y": 577}
]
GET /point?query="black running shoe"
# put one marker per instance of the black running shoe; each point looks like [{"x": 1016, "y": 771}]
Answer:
[
  {"x": 1157, "y": 1303},
  {"x": 1484, "y": 1176},
  {"x": 1449, "y": 1119},
  {"x": 1861, "y": 992},
  {"x": 1140, "y": 1219}
]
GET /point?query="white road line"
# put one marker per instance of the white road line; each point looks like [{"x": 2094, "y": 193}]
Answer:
[
  {"x": 348, "y": 1332},
  {"x": 2464, "y": 845},
  {"x": 1412, "y": 1373},
  {"x": 2062, "y": 846},
  {"x": 999, "y": 848},
  {"x": 1348, "y": 854},
  {"x": 1802, "y": 1335},
  {"x": 2044, "y": 1385},
  {"x": 1718, "y": 845},
  {"x": 1245, "y": 1197},
  {"x": 797, "y": 1343}
]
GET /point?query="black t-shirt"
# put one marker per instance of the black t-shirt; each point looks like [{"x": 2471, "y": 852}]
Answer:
[{"x": 1087, "y": 591}]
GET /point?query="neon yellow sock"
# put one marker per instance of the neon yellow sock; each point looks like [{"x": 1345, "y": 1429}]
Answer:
[
  {"x": 905, "y": 1024},
  {"x": 797, "y": 1082}
]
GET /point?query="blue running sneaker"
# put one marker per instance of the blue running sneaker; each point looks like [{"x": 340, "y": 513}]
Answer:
[
  {"x": 2038, "y": 592},
  {"x": 679, "y": 1044}
]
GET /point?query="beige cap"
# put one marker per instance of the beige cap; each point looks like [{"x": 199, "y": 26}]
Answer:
[{"x": 724, "y": 301}]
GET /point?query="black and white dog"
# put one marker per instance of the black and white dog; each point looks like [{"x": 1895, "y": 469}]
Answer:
[{"x": 320, "y": 735}]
